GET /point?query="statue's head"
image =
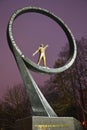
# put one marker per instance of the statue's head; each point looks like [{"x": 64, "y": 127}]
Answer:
[{"x": 41, "y": 45}]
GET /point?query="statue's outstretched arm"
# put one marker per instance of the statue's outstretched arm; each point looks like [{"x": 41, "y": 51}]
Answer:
[
  {"x": 35, "y": 52},
  {"x": 46, "y": 46}
]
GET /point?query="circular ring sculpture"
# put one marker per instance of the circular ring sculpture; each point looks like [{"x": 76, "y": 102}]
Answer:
[
  {"x": 39, "y": 104},
  {"x": 33, "y": 66}
]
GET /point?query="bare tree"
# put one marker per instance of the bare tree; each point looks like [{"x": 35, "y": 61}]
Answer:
[
  {"x": 62, "y": 90},
  {"x": 16, "y": 102}
]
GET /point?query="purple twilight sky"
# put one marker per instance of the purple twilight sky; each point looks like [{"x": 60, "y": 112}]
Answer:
[{"x": 32, "y": 29}]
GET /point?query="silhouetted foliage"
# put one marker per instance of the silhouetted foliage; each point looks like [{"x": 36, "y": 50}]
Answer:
[
  {"x": 15, "y": 105},
  {"x": 64, "y": 90}
]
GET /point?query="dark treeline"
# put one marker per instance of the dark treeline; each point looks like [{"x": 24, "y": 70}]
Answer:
[
  {"x": 63, "y": 91},
  {"x": 15, "y": 105}
]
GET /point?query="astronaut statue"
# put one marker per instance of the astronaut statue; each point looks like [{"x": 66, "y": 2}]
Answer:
[{"x": 42, "y": 54}]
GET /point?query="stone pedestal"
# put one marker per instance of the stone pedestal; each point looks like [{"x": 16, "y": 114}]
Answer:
[{"x": 48, "y": 123}]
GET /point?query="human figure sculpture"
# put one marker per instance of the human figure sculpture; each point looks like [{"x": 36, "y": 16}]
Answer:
[{"x": 42, "y": 54}]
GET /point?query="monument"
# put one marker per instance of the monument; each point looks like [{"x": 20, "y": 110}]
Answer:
[{"x": 43, "y": 116}]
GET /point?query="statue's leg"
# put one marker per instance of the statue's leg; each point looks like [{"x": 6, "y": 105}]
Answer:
[
  {"x": 44, "y": 60},
  {"x": 39, "y": 60}
]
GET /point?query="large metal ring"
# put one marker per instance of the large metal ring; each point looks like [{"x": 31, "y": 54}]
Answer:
[{"x": 33, "y": 66}]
